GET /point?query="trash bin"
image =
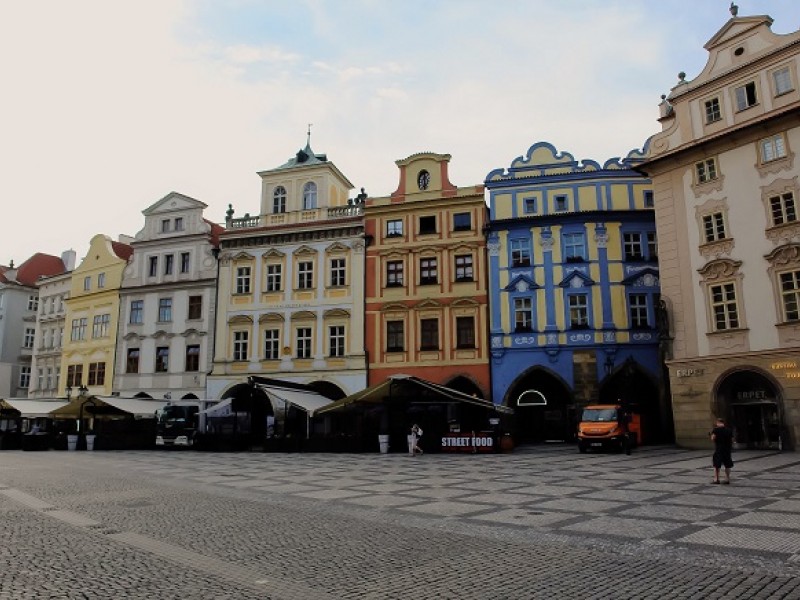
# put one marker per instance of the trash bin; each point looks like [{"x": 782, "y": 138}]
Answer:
[
  {"x": 72, "y": 442},
  {"x": 383, "y": 442},
  {"x": 90, "y": 441}
]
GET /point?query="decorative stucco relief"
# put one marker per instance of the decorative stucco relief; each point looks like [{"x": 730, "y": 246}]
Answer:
[
  {"x": 775, "y": 166},
  {"x": 718, "y": 249}
]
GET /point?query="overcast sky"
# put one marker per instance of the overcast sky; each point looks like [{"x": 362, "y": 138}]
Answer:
[{"x": 107, "y": 106}]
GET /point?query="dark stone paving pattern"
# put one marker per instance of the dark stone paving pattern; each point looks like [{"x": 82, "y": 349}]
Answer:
[{"x": 539, "y": 523}]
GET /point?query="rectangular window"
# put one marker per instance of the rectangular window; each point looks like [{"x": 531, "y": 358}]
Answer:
[
  {"x": 195, "y": 307},
  {"x": 100, "y": 325},
  {"x": 243, "y": 280},
  {"x": 395, "y": 336},
  {"x": 462, "y": 222},
  {"x": 714, "y": 227},
  {"x": 427, "y": 224},
  {"x": 773, "y": 148},
  {"x": 652, "y": 246},
  {"x": 169, "y": 264},
  {"x": 162, "y": 359},
  {"x": 578, "y": 311},
  {"x": 30, "y": 335},
  {"x": 394, "y": 228},
  {"x": 33, "y": 303},
  {"x": 101, "y": 280},
  {"x": 648, "y": 199},
  {"x": 97, "y": 373},
  {"x": 706, "y": 170},
  {"x": 790, "y": 294},
  {"x": 79, "y": 329},
  {"x": 429, "y": 334},
  {"x": 530, "y": 206},
  {"x": 394, "y": 273},
  {"x": 274, "y": 274},
  {"x": 338, "y": 272},
  {"x": 523, "y": 315},
  {"x": 40, "y": 379},
  {"x": 192, "y": 358},
  {"x": 152, "y": 269},
  {"x": 783, "y": 81},
  {"x": 241, "y": 341},
  {"x": 74, "y": 375},
  {"x": 632, "y": 246},
  {"x": 178, "y": 223},
  {"x": 783, "y": 208},
  {"x": 49, "y": 379},
  {"x": 574, "y": 247},
  {"x": 164, "y": 310},
  {"x": 336, "y": 340},
  {"x": 87, "y": 283},
  {"x": 272, "y": 344},
  {"x": 713, "y": 111},
  {"x": 303, "y": 342},
  {"x": 137, "y": 312},
  {"x": 24, "y": 377},
  {"x": 724, "y": 307},
  {"x": 428, "y": 271},
  {"x": 746, "y": 96},
  {"x": 164, "y": 225},
  {"x": 465, "y": 332},
  {"x": 305, "y": 275},
  {"x": 561, "y": 203},
  {"x": 132, "y": 361},
  {"x": 464, "y": 271},
  {"x": 520, "y": 253},
  {"x": 637, "y": 311},
  {"x": 184, "y": 262}
]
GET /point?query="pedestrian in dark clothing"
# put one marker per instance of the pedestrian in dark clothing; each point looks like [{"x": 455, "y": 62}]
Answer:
[{"x": 722, "y": 436}]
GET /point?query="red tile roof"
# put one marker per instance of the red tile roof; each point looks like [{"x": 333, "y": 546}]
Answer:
[
  {"x": 38, "y": 265},
  {"x": 122, "y": 250}
]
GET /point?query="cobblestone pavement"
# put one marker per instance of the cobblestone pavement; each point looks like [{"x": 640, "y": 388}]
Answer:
[{"x": 543, "y": 522}]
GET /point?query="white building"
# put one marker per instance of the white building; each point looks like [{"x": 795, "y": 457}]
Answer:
[{"x": 167, "y": 303}]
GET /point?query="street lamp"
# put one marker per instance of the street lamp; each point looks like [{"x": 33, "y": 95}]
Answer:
[
  {"x": 68, "y": 390},
  {"x": 82, "y": 392}
]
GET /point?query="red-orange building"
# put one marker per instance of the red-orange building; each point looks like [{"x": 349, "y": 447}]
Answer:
[{"x": 426, "y": 298}]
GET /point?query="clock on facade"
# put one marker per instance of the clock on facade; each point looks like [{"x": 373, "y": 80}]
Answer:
[{"x": 423, "y": 180}]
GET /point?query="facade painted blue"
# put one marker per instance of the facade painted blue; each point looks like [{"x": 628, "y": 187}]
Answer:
[{"x": 574, "y": 291}]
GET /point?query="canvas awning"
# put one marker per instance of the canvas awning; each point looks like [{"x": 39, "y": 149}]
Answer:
[
  {"x": 383, "y": 392},
  {"x": 32, "y": 408},
  {"x": 220, "y": 409},
  {"x": 96, "y": 405},
  {"x": 297, "y": 395}
]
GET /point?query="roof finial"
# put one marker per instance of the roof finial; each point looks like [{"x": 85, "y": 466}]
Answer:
[
  {"x": 734, "y": 9},
  {"x": 308, "y": 135}
]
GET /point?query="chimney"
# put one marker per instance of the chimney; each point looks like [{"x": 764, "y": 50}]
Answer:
[
  {"x": 126, "y": 239},
  {"x": 68, "y": 257}
]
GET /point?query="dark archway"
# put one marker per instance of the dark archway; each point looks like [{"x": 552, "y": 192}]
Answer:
[
  {"x": 544, "y": 409},
  {"x": 752, "y": 405},
  {"x": 465, "y": 385},
  {"x": 327, "y": 389},
  {"x": 143, "y": 395},
  {"x": 251, "y": 408},
  {"x": 189, "y": 397},
  {"x": 631, "y": 386}
]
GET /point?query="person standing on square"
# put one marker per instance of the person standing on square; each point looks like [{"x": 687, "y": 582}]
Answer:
[{"x": 722, "y": 436}]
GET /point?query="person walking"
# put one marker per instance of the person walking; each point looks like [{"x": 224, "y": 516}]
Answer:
[
  {"x": 416, "y": 433},
  {"x": 722, "y": 436}
]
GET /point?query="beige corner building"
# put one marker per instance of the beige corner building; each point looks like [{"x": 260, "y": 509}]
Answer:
[{"x": 725, "y": 172}]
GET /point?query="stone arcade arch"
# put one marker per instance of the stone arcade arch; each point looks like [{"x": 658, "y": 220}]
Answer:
[
  {"x": 631, "y": 385},
  {"x": 752, "y": 403},
  {"x": 544, "y": 407}
]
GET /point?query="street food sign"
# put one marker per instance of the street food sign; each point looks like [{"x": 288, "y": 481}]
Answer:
[{"x": 479, "y": 442}]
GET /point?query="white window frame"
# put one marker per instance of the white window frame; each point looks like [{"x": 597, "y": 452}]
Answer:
[
  {"x": 783, "y": 208},
  {"x": 241, "y": 344},
  {"x": 274, "y": 280},
  {"x": 272, "y": 344},
  {"x": 706, "y": 170},
  {"x": 712, "y": 110},
  {"x": 310, "y": 196},
  {"x": 336, "y": 340},
  {"x": 746, "y": 95},
  {"x": 772, "y": 148},
  {"x": 723, "y": 300},
  {"x": 782, "y": 80},
  {"x": 714, "y": 228},
  {"x": 303, "y": 339},
  {"x": 243, "y": 280},
  {"x": 789, "y": 282},
  {"x": 338, "y": 269},
  {"x": 305, "y": 275}
]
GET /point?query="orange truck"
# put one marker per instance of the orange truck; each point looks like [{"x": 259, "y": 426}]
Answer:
[{"x": 607, "y": 426}]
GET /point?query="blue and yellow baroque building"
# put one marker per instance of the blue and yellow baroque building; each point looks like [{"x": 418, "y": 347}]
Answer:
[{"x": 574, "y": 293}]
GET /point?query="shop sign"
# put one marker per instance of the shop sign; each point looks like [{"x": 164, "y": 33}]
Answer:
[
  {"x": 467, "y": 443},
  {"x": 787, "y": 368},
  {"x": 689, "y": 372}
]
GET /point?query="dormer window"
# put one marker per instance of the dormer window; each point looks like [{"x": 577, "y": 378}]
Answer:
[
  {"x": 310, "y": 196},
  {"x": 713, "y": 110}
]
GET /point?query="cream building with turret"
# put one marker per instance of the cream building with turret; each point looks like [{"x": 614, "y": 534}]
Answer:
[
  {"x": 291, "y": 287},
  {"x": 726, "y": 181}
]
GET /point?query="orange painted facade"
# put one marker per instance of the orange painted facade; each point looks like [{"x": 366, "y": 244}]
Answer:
[{"x": 426, "y": 297}]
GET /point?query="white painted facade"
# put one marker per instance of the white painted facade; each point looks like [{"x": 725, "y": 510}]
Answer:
[{"x": 46, "y": 362}]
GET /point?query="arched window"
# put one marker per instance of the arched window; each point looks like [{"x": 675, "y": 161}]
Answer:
[
  {"x": 309, "y": 196},
  {"x": 279, "y": 200}
]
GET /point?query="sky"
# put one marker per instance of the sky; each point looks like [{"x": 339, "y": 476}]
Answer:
[{"x": 106, "y": 107}]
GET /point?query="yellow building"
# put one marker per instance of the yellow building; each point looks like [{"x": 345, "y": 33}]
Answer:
[{"x": 92, "y": 311}]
